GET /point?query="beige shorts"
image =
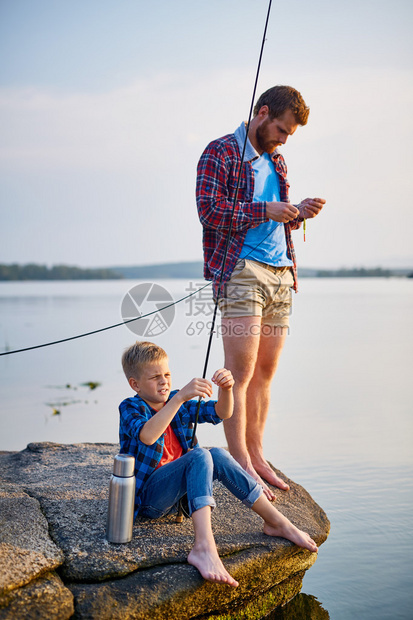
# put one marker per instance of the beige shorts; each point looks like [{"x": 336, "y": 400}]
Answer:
[{"x": 257, "y": 289}]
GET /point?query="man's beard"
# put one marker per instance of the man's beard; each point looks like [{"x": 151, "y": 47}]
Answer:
[{"x": 261, "y": 137}]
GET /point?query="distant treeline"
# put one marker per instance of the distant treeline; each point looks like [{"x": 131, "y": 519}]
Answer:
[
  {"x": 190, "y": 269},
  {"x": 195, "y": 270},
  {"x": 57, "y": 272},
  {"x": 187, "y": 270},
  {"x": 361, "y": 272}
]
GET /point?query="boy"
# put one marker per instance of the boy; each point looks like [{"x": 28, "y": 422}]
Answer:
[{"x": 156, "y": 428}]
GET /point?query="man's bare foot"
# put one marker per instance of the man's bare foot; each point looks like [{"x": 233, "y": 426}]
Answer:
[
  {"x": 210, "y": 566},
  {"x": 245, "y": 461},
  {"x": 267, "y": 491},
  {"x": 264, "y": 470},
  {"x": 285, "y": 529}
]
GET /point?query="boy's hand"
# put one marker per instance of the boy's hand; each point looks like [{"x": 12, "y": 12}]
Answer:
[
  {"x": 223, "y": 378},
  {"x": 194, "y": 389},
  {"x": 225, "y": 404}
]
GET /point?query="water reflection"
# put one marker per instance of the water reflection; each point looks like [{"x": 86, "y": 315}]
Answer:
[{"x": 302, "y": 607}]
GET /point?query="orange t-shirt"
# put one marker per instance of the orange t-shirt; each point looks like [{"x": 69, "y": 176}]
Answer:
[{"x": 172, "y": 449}]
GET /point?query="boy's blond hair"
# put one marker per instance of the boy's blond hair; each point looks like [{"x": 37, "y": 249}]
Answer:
[{"x": 138, "y": 355}]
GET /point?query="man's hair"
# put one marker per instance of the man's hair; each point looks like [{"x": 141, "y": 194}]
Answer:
[
  {"x": 279, "y": 99},
  {"x": 138, "y": 355}
]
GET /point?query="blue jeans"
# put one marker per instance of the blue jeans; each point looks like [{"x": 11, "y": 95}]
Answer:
[{"x": 193, "y": 473}]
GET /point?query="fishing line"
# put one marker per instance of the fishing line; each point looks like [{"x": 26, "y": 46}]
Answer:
[
  {"x": 231, "y": 223},
  {"x": 103, "y": 329},
  {"x": 125, "y": 322}
]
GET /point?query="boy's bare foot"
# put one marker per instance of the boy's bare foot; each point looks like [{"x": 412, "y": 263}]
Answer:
[
  {"x": 264, "y": 470},
  {"x": 276, "y": 524},
  {"x": 210, "y": 566},
  {"x": 287, "y": 530}
]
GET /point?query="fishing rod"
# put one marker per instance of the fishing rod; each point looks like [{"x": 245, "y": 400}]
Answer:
[{"x": 221, "y": 277}]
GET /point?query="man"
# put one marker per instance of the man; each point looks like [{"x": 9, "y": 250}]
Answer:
[{"x": 260, "y": 268}]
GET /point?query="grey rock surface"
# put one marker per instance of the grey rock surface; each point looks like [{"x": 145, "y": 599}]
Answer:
[
  {"x": 65, "y": 490},
  {"x": 26, "y": 549}
]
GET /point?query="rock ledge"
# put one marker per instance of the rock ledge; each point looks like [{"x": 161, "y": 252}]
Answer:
[{"x": 55, "y": 562}]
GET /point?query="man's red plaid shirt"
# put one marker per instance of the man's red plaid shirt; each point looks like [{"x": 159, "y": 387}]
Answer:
[{"x": 217, "y": 177}]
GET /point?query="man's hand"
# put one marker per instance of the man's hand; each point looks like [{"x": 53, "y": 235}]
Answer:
[
  {"x": 310, "y": 207},
  {"x": 223, "y": 378},
  {"x": 282, "y": 211}
]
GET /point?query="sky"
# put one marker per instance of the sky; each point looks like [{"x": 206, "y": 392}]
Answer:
[{"x": 106, "y": 107}]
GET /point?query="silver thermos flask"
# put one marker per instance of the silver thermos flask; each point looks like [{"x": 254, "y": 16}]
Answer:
[{"x": 121, "y": 499}]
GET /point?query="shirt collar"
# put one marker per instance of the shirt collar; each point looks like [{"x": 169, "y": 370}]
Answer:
[
  {"x": 153, "y": 411},
  {"x": 250, "y": 152}
]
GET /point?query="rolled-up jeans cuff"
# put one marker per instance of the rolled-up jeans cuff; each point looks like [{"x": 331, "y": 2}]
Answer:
[
  {"x": 253, "y": 495},
  {"x": 200, "y": 502}
]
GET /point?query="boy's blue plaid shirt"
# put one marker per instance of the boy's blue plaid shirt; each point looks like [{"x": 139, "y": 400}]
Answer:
[{"x": 135, "y": 412}]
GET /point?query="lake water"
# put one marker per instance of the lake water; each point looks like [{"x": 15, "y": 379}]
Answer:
[{"x": 340, "y": 421}]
